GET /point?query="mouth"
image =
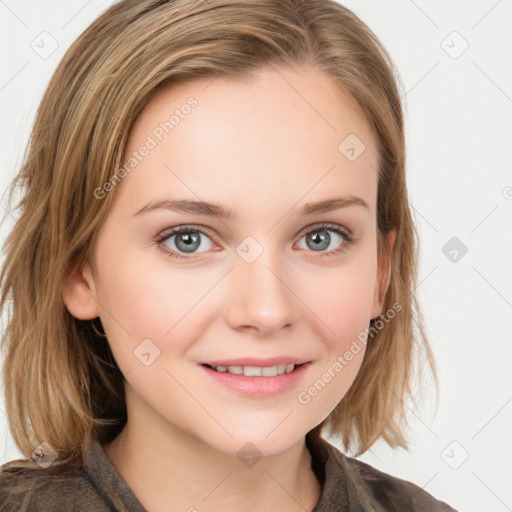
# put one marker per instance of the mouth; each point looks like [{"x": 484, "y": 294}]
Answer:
[
  {"x": 256, "y": 371},
  {"x": 257, "y": 378}
]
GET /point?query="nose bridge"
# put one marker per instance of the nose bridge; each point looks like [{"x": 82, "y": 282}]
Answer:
[{"x": 261, "y": 297}]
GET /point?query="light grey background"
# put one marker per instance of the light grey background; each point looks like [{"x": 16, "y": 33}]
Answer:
[{"x": 458, "y": 120}]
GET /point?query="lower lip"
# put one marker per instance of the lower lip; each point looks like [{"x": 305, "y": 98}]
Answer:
[{"x": 258, "y": 386}]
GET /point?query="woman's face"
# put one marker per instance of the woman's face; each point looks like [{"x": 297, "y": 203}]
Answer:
[{"x": 277, "y": 278}]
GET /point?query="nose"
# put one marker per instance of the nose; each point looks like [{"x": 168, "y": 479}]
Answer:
[{"x": 261, "y": 295}]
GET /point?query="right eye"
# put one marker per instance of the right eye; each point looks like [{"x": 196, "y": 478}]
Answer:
[{"x": 184, "y": 240}]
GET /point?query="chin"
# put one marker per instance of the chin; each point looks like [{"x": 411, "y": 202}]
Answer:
[{"x": 257, "y": 444}]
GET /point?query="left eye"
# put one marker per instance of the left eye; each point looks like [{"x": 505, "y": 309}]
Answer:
[
  {"x": 188, "y": 241},
  {"x": 320, "y": 239}
]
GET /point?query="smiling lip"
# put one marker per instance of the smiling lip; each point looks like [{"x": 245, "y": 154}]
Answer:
[
  {"x": 254, "y": 361},
  {"x": 258, "y": 386}
]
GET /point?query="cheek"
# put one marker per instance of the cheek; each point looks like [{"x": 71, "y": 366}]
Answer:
[
  {"x": 343, "y": 303},
  {"x": 137, "y": 301},
  {"x": 143, "y": 299},
  {"x": 344, "y": 299}
]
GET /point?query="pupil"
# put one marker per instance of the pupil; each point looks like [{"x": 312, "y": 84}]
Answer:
[
  {"x": 321, "y": 240},
  {"x": 188, "y": 242}
]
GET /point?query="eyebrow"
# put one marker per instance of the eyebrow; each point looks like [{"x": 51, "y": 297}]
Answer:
[{"x": 216, "y": 210}]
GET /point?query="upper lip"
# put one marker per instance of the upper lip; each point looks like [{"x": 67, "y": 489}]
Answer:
[{"x": 255, "y": 361}]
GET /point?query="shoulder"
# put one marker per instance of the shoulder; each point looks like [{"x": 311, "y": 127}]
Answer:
[
  {"x": 381, "y": 491},
  {"x": 39, "y": 490}
]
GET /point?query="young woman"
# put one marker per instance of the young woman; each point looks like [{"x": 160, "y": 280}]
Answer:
[{"x": 213, "y": 269}]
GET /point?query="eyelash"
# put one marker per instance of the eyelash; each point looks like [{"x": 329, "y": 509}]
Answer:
[{"x": 348, "y": 239}]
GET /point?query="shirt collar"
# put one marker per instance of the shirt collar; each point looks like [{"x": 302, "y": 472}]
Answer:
[{"x": 326, "y": 461}]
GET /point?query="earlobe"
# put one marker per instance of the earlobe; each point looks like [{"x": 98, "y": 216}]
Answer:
[
  {"x": 79, "y": 294},
  {"x": 383, "y": 274}
]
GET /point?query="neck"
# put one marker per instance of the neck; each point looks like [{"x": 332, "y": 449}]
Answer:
[{"x": 164, "y": 465}]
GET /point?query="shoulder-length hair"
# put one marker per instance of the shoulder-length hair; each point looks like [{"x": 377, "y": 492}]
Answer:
[{"x": 62, "y": 384}]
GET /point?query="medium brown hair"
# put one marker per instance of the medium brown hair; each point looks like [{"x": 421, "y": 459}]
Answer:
[{"x": 62, "y": 384}]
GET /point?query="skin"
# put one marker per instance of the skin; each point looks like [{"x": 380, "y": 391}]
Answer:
[{"x": 263, "y": 150}]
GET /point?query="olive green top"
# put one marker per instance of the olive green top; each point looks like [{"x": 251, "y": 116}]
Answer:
[{"x": 96, "y": 486}]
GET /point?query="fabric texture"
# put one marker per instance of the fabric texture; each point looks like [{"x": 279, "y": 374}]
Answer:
[{"x": 96, "y": 486}]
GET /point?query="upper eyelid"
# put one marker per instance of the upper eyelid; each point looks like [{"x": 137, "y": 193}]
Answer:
[
  {"x": 169, "y": 232},
  {"x": 324, "y": 225}
]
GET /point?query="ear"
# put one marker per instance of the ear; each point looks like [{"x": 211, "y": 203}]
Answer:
[
  {"x": 79, "y": 294},
  {"x": 383, "y": 274}
]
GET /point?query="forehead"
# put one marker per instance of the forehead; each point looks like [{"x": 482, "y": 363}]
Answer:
[{"x": 281, "y": 135}]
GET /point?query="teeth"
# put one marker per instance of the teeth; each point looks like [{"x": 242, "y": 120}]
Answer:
[
  {"x": 270, "y": 371},
  {"x": 252, "y": 371},
  {"x": 237, "y": 370},
  {"x": 256, "y": 371}
]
